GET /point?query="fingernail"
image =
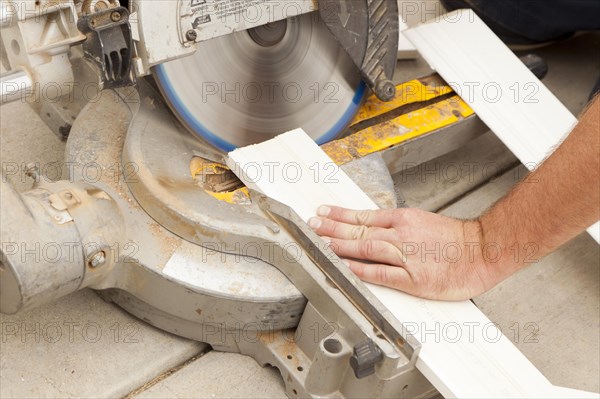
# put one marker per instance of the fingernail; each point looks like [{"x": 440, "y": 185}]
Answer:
[
  {"x": 347, "y": 263},
  {"x": 315, "y": 223},
  {"x": 326, "y": 239},
  {"x": 323, "y": 210}
]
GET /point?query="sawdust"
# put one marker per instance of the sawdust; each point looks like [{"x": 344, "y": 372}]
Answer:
[{"x": 168, "y": 242}]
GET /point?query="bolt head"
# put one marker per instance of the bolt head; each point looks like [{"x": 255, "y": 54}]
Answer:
[
  {"x": 385, "y": 90},
  {"x": 115, "y": 16},
  {"x": 191, "y": 35},
  {"x": 97, "y": 259}
]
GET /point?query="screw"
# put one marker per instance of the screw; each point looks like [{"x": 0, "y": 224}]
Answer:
[
  {"x": 32, "y": 170},
  {"x": 115, "y": 16},
  {"x": 385, "y": 89},
  {"x": 191, "y": 35},
  {"x": 97, "y": 259}
]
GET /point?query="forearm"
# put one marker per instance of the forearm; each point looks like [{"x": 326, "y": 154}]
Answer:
[{"x": 554, "y": 204}]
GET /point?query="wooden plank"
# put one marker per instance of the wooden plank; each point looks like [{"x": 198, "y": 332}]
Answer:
[
  {"x": 502, "y": 91},
  {"x": 562, "y": 392},
  {"x": 480, "y": 363},
  {"x": 406, "y": 50},
  {"x": 466, "y": 52},
  {"x": 301, "y": 170}
]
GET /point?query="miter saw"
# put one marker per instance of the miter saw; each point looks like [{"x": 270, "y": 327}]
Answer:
[{"x": 151, "y": 218}]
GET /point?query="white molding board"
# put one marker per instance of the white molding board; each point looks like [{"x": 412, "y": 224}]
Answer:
[
  {"x": 406, "y": 50},
  {"x": 562, "y": 392},
  {"x": 463, "y": 353},
  {"x": 502, "y": 91},
  {"x": 296, "y": 172}
]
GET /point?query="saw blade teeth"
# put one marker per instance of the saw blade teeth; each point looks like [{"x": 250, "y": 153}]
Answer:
[{"x": 249, "y": 86}]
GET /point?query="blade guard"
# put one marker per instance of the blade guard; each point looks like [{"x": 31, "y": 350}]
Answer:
[{"x": 368, "y": 32}]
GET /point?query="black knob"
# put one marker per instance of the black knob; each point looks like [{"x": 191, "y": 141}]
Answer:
[{"x": 366, "y": 355}]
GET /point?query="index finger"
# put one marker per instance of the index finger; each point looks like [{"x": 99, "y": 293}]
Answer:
[{"x": 375, "y": 218}]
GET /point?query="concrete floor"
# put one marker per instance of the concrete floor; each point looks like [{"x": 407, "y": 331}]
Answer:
[{"x": 557, "y": 300}]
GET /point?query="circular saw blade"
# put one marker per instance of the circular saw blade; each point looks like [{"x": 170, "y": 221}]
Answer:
[{"x": 249, "y": 86}]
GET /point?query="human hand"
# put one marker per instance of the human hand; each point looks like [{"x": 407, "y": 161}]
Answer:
[{"x": 418, "y": 252}]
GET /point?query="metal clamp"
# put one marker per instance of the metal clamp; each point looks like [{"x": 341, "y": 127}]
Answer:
[{"x": 109, "y": 45}]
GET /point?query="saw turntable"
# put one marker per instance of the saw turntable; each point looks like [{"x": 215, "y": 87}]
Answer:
[{"x": 150, "y": 216}]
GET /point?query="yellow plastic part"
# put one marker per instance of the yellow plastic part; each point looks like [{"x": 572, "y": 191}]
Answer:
[
  {"x": 233, "y": 197},
  {"x": 398, "y": 130},
  {"x": 410, "y": 92}
]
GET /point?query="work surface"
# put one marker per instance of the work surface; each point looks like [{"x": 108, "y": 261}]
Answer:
[{"x": 83, "y": 346}]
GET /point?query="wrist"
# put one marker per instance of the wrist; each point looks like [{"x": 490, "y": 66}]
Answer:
[
  {"x": 488, "y": 269},
  {"x": 501, "y": 250}
]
